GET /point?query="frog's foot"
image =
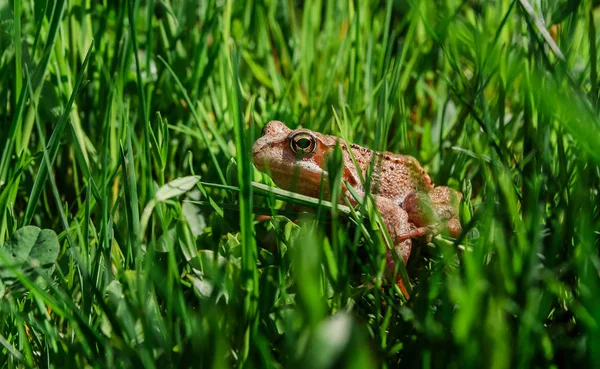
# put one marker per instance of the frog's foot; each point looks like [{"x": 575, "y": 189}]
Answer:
[
  {"x": 403, "y": 289},
  {"x": 263, "y": 218},
  {"x": 413, "y": 233},
  {"x": 454, "y": 227},
  {"x": 392, "y": 274},
  {"x": 428, "y": 232}
]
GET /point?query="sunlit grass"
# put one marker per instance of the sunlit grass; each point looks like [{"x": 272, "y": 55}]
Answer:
[{"x": 106, "y": 105}]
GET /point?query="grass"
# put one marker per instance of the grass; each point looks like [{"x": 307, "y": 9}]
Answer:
[{"x": 107, "y": 105}]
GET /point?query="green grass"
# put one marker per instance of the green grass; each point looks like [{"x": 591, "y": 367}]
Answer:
[{"x": 106, "y": 103}]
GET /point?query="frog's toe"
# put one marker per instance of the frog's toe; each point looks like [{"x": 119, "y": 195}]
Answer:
[{"x": 454, "y": 227}]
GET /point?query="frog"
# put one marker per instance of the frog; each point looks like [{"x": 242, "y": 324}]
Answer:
[{"x": 411, "y": 206}]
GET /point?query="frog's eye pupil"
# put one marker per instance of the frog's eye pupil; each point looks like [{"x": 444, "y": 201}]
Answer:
[{"x": 303, "y": 143}]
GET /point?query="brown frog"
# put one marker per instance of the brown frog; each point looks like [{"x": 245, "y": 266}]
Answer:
[{"x": 409, "y": 204}]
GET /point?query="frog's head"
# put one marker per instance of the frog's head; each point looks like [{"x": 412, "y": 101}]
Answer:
[{"x": 294, "y": 158}]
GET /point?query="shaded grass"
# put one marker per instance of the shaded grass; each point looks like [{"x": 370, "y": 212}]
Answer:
[{"x": 475, "y": 90}]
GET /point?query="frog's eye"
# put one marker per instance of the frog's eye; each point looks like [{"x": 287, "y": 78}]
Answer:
[{"x": 303, "y": 143}]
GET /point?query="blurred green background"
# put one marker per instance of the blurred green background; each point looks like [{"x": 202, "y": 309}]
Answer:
[{"x": 106, "y": 103}]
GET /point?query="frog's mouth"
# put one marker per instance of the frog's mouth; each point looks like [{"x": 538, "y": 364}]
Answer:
[{"x": 300, "y": 177}]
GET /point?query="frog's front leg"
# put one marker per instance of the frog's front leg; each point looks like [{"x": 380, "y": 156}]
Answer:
[{"x": 397, "y": 223}]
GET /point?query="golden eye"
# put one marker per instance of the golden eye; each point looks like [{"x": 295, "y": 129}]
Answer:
[{"x": 303, "y": 143}]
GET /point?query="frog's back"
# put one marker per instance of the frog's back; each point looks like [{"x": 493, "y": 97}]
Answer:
[
  {"x": 398, "y": 175},
  {"x": 394, "y": 175}
]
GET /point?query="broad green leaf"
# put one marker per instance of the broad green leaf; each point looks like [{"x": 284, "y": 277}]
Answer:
[
  {"x": 29, "y": 247},
  {"x": 29, "y": 251}
]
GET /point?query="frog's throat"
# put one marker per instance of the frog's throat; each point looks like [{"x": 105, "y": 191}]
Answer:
[{"x": 301, "y": 177}]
